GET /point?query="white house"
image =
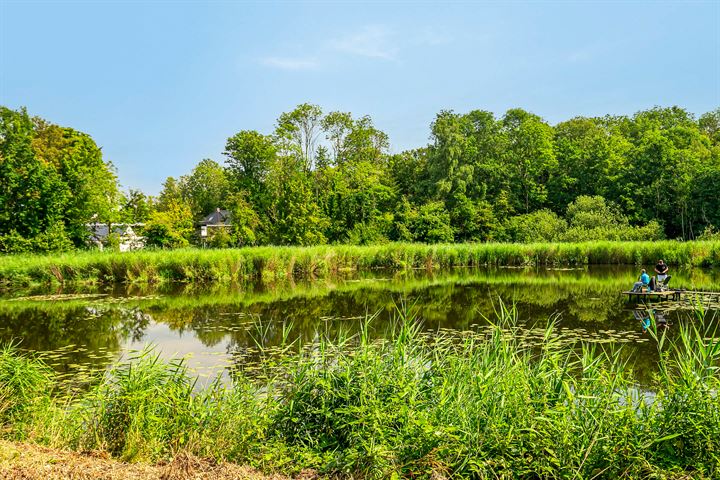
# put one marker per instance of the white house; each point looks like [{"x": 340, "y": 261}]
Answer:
[{"x": 129, "y": 240}]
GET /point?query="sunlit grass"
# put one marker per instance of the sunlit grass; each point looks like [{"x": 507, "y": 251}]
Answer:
[{"x": 270, "y": 264}]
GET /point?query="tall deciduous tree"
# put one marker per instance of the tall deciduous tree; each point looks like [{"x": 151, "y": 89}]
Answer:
[
  {"x": 171, "y": 193},
  {"x": 293, "y": 213},
  {"x": 586, "y": 159},
  {"x": 136, "y": 207},
  {"x": 249, "y": 156},
  {"x": 365, "y": 143},
  {"x": 337, "y": 126},
  {"x": 245, "y": 221},
  {"x": 206, "y": 188},
  {"x": 52, "y": 178},
  {"x": 92, "y": 181},
  {"x": 709, "y": 124},
  {"x": 529, "y": 157},
  {"x": 298, "y": 131}
]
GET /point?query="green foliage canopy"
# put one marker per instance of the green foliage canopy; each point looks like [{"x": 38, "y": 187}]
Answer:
[
  {"x": 330, "y": 177},
  {"x": 53, "y": 181}
]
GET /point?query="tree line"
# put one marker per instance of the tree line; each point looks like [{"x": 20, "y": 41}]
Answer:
[{"x": 331, "y": 178}]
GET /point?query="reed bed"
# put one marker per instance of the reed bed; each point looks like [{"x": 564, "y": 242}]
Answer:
[
  {"x": 482, "y": 404},
  {"x": 271, "y": 264}
]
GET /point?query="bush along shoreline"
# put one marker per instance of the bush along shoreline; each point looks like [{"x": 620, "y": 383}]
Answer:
[
  {"x": 492, "y": 403},
  {"x": 273, "y": 263}
]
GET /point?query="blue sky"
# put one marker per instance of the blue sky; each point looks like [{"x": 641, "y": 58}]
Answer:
[{"x": 161, "y": 85}]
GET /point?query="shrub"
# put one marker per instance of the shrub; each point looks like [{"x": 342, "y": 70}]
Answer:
[
  {"x": 219, "y": 237},
  {"x": 710, "y": 233},
  {"x": 432, "y": 224},
  {"x": 539, "y": 226},
  {"x": 588, "y": 213},
  {"x": 54, "y": 239},
  {"x": 170, "y": 228},
  {"x": 367, "y": 233}
]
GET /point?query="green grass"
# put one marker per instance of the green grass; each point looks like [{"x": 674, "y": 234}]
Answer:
[
  {"x": 271, "y": 264},
  {"x": 480, "y": 404},
  {"x": 24, "y": 383}
]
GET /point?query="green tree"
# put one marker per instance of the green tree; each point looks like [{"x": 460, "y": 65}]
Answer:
[
  {"x": 359, "y": 194},
  {"x": 294, "y": 217},
  {"x": 486, "y": 148},
  {"x": 206, "y": 188},
  {"x": 33, "y": 196},
  {"x": 137, "y": 207},
  {"x": 705, "y": 199},
  {"x": 668, "y": 152},
  {"x": 466, "y": 170},
  {"x": 474, "y": 221},
  {"x": 245, "y": 221},
  {"x": 171, "y": 194},
  {"x": 337, "y": 126},
  {"x": 297, "y": 132},
  {"x": 53, "y": 179},
  {"x": 430, "y": 223},
  {"x": 709, "y": 124},
  {"x": 450, "y": 168},
  {"x": 249, "y": 156},
  {"x": 529, "y": 157},
  {"x": 594, "y": 212},
  {"x": 593, "y": 218},
  {"x": 589, "y": 158},
  {"x": 365, "y": 143},
  {"x": 171, "y": 227},
  {"x": 408, "y": 172},
  {"x": 95, "y": 195}
]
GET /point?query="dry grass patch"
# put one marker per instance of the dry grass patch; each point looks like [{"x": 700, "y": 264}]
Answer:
[{"x": 24, "y": 461}]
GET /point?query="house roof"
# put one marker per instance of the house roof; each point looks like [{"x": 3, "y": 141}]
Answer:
[
  {"x": 100, "y": 231},
  {"x": 218, "y": 217}
]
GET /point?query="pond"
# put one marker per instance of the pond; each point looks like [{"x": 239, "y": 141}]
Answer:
[{"x": 86, "y": 329}]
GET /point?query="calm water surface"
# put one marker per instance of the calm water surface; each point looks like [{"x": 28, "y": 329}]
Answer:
[{"x": 218, "y": 327}]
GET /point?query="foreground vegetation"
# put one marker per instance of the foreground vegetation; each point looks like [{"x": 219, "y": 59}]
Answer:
[
  {"x": 274, "y": 263},
  {"x": 482, "y": 405}
]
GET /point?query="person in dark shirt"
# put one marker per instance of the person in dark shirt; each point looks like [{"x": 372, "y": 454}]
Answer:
[{"x": 661, "y": 270}]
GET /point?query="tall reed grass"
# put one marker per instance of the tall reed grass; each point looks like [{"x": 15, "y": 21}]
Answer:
[
  {"x": 275, "y": 263},
  {"x": 483, "y": 404}
]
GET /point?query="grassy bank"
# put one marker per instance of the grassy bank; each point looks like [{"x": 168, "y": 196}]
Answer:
[
  {"x": 478, "y": 405},
  {"x": 274, "y": 263}
]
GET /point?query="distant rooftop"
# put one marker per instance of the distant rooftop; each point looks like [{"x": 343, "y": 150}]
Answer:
[{"x": 218, "y": 217}]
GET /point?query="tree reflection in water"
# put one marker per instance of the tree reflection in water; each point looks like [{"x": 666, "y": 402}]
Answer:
[{"x": 95, "y": 331}]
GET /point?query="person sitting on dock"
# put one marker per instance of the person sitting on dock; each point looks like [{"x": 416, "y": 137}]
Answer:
[{"x": 643, "y": 281}]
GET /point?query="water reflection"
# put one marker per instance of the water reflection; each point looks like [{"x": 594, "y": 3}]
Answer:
[
  {"x": 91, "y": 328},
  {"x": 646, "y": 316}
]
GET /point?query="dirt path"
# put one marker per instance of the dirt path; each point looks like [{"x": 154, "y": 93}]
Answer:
[{"x": 24, "y": 461}]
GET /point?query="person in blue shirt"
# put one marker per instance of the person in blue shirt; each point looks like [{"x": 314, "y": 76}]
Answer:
[{"x": 643, "y": 281}]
